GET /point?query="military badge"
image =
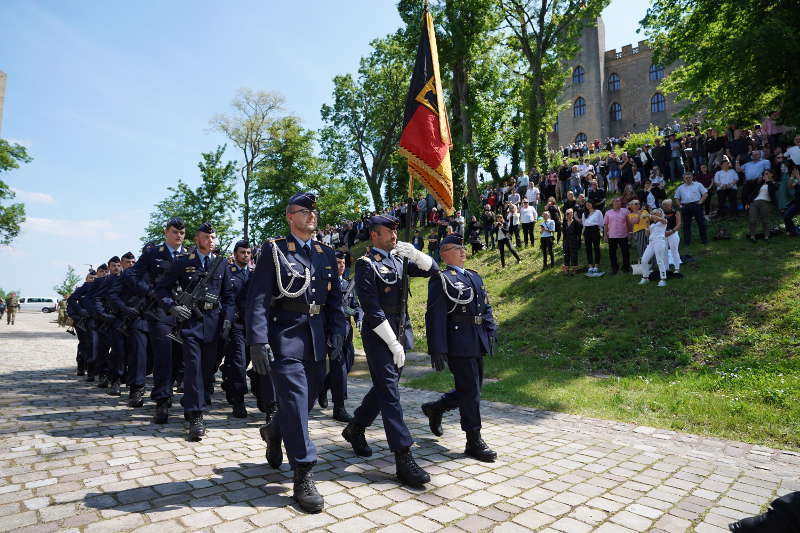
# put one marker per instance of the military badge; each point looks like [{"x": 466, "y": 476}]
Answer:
[
  {"x": 318, "y": 248},
  {"x": 291, "y": 246}
]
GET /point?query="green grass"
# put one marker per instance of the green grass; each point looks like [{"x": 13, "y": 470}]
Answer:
[{"x": 714, "y": 353}]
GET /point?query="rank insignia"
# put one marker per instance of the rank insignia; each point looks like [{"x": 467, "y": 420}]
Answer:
[
  {"x": 327, "y": 268},
  {"x": 192, "y": 256},
  {"x": 453, "y": 272},
  {"x": 387, "y": 289},
  {"x": 160, "y": 248},
  {"x": 291, "y": 246},
  {"x": 329, "y": 286},
  {"x": 377, "y": 257},
  {"x": 318, "y": 248}
]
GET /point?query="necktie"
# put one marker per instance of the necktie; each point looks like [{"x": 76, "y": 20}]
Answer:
[
  {"x": 306, "y": 250},
  {"x": 205, "y": 263}
]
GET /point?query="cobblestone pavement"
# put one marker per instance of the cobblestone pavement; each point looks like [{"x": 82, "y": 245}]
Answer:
[{"x": 72, "y": 458}]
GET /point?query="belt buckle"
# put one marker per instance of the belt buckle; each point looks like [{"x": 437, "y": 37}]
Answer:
[
  {"x": 208, "y": 306},
  {"x": 478, "y": 320},
  {"x": 314, "y": 309}
]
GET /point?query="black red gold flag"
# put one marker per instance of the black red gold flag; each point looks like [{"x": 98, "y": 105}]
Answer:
[{"x": 426, "y": 140}]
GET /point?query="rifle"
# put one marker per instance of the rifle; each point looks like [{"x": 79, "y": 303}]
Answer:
[
  {"x": 145, "y": 307},
  {"x": 197, "y": 296}
]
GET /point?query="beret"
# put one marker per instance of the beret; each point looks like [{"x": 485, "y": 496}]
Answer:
[
  {"x": 128, "y": 255},
  {"x": 384, "y": 220},
  {"x": 176, "y": 222},
  {"x": 304, "y": 199},
  {"x": 205, "y": 227},
  {"x": 453, "y": 238}
]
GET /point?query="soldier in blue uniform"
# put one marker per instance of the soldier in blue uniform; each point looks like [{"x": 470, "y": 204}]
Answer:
[
  {"x": 460, "y": 330},
  {"x": 235, "y": 366},
  {"x": 336, "y": 379},
  {"x": 154, "y": 261},
  {"x": 294, "y": 303},
  {"x": 379, "y": 278},
  {"x": 124, "y": 302},
  {"x": 101, "y": 340},
  {"x": 79, "y": 316},
  {"x": 199, "y": 326}
]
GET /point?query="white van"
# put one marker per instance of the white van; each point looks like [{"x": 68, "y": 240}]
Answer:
[{"x": 37, "y": 305}]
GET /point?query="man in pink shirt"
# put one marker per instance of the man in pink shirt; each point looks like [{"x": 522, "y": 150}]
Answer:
[{"x": 615, "y": 224}]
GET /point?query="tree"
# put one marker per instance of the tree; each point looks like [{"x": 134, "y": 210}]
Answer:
[
  {"x": 289, "y": 165},
  {"x": 248, "y": 129},
  {"x": 363, "y": 124},
  {"x": 12, "y": 215},
  {"x": 737, "y": 58},
  {"x": 214, "y": 200},
  {"x": 547, "y": 33},
  {"x": 71, "y": 281}
]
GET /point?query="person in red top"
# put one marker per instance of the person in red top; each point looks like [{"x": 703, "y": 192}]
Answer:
[
  {"x": 706, "y": 177},
  {"x": 615, "y": 223},
  {"x": 492, "y": 200}
]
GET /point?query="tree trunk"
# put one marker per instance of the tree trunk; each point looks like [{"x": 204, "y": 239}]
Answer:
[
  {"x": 461, "y": 86},
  {"x": 246, "y": 207},
  {"x": 375, "y": 191},
  {"x": 516, "y": 145},
  {"x": 536, "y": 106}
]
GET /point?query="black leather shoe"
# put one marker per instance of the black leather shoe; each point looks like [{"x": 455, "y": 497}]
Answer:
[
  {"x": 239, "y": 411},
  {"x": 408, "y": 471},
  {"x": 81, "y": 369},
  {"x": 434, "y": 412},
  {"x": 197, "y": 427},
  {"x": 103, "y": 383},
  {"x": 113, "y": 390},
  {"x": 354, "y": 434},
  {"x": 272, "y": 437},
  {"x": 323, "y": 399},
  {"x": 478, "y": 449},
  {"x": 341, "y": 414},
  {"x": 305, "y": 492},
  {"x": 136, "y": 397},
  {"x": 90, "y": 378},
  {"x": 162, "y": 413}
]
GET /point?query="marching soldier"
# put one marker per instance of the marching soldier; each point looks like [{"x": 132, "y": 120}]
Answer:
[
  {"x": 12, "y": 306},
  {"x": 379, "y": 278},
  {"x": 80, "y": 317},
  {"x": 460, "y": 330},
  {"x": 101, "y": 343},
  {"x": 199, "y": 322},
  {"x": 145, "y": 274},
  {"x": 294, "y": 299},
  {"x": 123, "y": 300},
  {"x": 115, "y": 360},
  {"x": 235, "y": 367},
  {"x": 336, "y": 379}
]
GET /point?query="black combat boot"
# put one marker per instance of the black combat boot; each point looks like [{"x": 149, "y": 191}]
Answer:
[
  {"x": 103, "y": 382},
  {"x": 162, "y": 412},
  {"x": 305, "y": 492},
  {"x": 341, "y": 414},
  {"x": 90, "y": 378},
  {"x": 408, "y": 471},
  {"x": 81, "y": 368},
  {"x": 354, "y": 434},
  {"x": 434, "y": 411},
  {"x": 136, "y": 396},
  {"x": 478, "y": 449},
  {"x": 271, "y": 435},
  {"x": 113, "y": 390},
  {"x": 323, "y": 398},
  {"x": 239, "y": 410},
  {"x": 197, "y": 427}
]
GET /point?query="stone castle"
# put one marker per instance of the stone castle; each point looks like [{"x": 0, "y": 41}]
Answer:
[{"x": 610, "y": 92}]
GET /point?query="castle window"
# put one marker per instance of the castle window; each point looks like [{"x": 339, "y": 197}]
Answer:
[
  {"x": 578, "y": 75},
  {"x": 580, "y": 138},
  {"x": 613, "y": 83},
  {"x": 616, "y": 112},
  {"x": 658, "y": 103},
  {"x": 656, "y": 72},
  {"x": 579, "y": 107}
]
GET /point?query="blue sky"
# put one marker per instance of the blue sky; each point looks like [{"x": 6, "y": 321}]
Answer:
[{"x": 113, "y": 100}]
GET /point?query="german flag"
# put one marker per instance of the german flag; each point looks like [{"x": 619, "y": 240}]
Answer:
[{"x": 426, "y": 140}]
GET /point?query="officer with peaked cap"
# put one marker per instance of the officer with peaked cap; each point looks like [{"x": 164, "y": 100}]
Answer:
[
  {"x": 460, "y": 330},
  {"x": 293, "y": 303},
  {"x": 154, "y": 261},
  {"x": 199, "y": 326},
  {"x": 379, "y": 282},
  {"x": 336, "y": 379}
]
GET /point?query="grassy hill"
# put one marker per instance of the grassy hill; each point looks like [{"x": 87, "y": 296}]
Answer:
[{"x": 713, "y": 353}]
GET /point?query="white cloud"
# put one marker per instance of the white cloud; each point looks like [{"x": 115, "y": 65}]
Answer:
[
  {"x": 34, "y": 197},
  {"x": 82, "y": 229}
]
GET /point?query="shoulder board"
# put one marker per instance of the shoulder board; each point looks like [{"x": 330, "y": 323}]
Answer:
[
  {"x": 473, "y": 271},
  {"x": 160, "y": 248},
  {"x": 233, "y": 268},
  {"x": 365, "y": 258},
  {"x": 324, "y": 245},
  {"x": 192, "y": 255}
]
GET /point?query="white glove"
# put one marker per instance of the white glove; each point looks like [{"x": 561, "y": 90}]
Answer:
[
  {"x": 405, "y": 249},
  {"x": 384, "y": 331}
]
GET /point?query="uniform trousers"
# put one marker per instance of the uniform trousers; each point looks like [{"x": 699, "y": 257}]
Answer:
[
  {"x": 468, "y": 376},
  {"x": 116, "y": 359},
  {"x": 657, "y": 248},
  {"x": 163, "y": 366},
  {"x": 297, "y": 384},
  {"x": 234, "y": 370},
  {"x": 84, "y": 347},
  {"x": 102, "y": 348},
  {"x": 136, "y": 350},
  {"x": 199, "y": 360},
  {"x": 673, "y": 242},
  {"x": 336, "y": 379},
  {"x": 384, "y": 396}
]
